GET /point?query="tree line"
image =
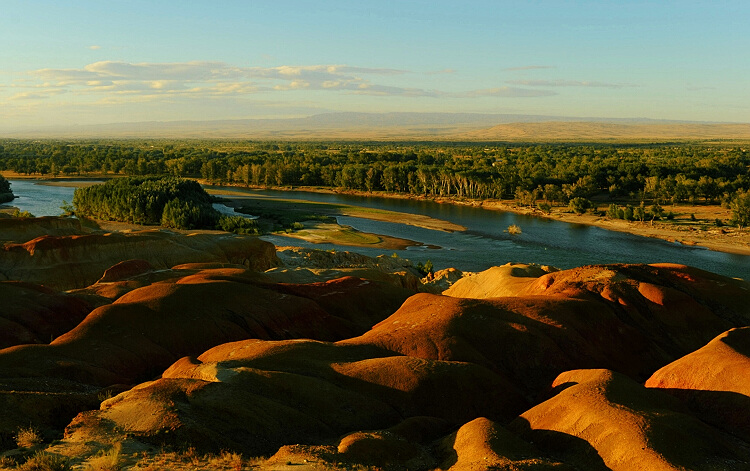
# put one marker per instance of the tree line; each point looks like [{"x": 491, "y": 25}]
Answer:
[{"x": 529, "y": 174}]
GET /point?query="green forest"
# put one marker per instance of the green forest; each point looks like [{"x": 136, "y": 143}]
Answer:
[
  {"x": 533, "y": 175},
  {"x": 167, "y": 201},
  {"x": 6, "y": 194}
]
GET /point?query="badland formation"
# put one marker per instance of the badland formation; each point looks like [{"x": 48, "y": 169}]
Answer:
[{"x": 166, "y": 350}]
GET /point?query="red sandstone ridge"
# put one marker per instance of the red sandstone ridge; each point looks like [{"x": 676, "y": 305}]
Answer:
[
  {"x": 77, "y": 261},
  {"x": 361, "y": 372},
  {"x": 147, "y": 329},
  {"x": 678, "y": 308},
  {"x": 601, "y": 420},
  {"x": 21, "y": 230},
  {"x": 256, "y": 396},
  {"x": 714, "y": 381},
  {"x": 32, "y": 314}
]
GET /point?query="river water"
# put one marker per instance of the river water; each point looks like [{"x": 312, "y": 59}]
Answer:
[{"x": 484, "y": 244}]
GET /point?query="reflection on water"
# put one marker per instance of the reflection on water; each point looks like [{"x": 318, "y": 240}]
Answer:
[
  {"x": 484, "y": 244},
  {"x": 40, "y": 200}
]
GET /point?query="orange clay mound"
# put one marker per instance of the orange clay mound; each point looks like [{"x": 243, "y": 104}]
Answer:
[
  {"x": 680, "y": 308},
  {"x": 528, "y": 340},
  {"x": 132, "y": 274},
  {"x": 255, "y": 396},
  {"x": 69, "y": 262},
  {"x": 124, "y": 270},
  {"x": 147, "y": 329},
  {"x": 714, "y": 381},
  {"x": 505, "y": 280},
  {"x": 35, "y": 314},
  {"x": 483, "y": 444},
  {"x": 603, "y": 420}
]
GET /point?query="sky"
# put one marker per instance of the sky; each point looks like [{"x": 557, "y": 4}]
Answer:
[{"x": 83, "y": 62}]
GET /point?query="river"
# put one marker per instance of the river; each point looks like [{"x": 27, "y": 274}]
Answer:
[{"x": 484, "y": 244}]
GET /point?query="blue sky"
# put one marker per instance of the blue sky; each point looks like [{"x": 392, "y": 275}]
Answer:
[{"x": 85, "y": 62}]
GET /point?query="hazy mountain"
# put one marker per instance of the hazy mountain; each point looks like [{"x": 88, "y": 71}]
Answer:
[{"x": 388, "y": 126}]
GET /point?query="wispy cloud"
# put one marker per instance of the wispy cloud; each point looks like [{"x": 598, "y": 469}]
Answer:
[
  {"x": 568, "y": 83},
  {"x": 509, "y": 92},
  {"x": 95, "y": 47},
  {"x": 441, "y": 72},
  {"x": 529, "y": 67},
  {"x": 119, "y": 81},
  {"x": 37, "y": 95},
  {"x": 700, "y": 89}
]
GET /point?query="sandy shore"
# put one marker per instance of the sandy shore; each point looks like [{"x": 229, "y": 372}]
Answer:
[
  {"x": 239, "y": 199},
  {"x": 682, "y": 229},
  {"x": 329, "y": 233},
  {"x": 701, "y": 232}
]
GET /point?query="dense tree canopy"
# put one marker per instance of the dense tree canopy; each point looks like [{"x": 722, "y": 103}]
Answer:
[
  {"x": 168, "y": 201},
  {"x": 143, "y": 201},
  {"x": 531, "y": 174},
  {"x": 5, "y": 192}
]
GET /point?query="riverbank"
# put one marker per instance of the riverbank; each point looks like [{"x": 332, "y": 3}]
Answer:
[
  {"x": 683, "y": 229},
  {"x": 693, "y": 225}
]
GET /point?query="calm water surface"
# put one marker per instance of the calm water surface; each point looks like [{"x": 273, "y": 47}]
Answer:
[
  {"x": 482, "y": 245},
  {"x": 485, "y": 242}
]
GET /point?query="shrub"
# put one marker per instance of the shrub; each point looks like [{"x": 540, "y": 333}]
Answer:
[
  {"x": 28, "y": 437},
  {"x": 514, "y": 229},
  {"x": 544, "y": 207},
  {"x": 42, "y": 461},
  {"x": 21, "y": 214},
  {"x": 579, "y": 205},
  {"x": 613, "y": 212},
  {"x": 238, "y": 225},
  {"x": 110, "y": 460},
  {"x": 740, "y": 207},
  {"x": 425, "y": 269}
]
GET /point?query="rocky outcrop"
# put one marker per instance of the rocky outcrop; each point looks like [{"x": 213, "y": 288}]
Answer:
[
  {"x": 20, "y": 230},
  {"x": 69, "y": 262}
]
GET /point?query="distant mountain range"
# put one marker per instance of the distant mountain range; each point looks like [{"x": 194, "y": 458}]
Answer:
[{"x": 405, "y": 126}]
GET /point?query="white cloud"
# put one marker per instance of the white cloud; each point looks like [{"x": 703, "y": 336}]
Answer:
[
  {"x": 113, "y": 81},
  {"x": 95, "y": 47},
  {"x": 568, "y": 83}
]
